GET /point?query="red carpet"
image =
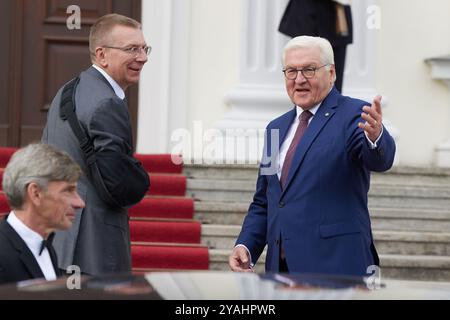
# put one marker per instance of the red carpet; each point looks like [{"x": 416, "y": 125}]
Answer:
[
  {"x": 161, "y": 163},
  {"x": 164, "y": 207},
  {"x": 1, "y": 178},
  {"x": 157, "y": 241},
  {"x": 165, "y": 231},
  {"x": 169, "y": 257},
  {"x": 5, "y": 155},
  {"x": 4, "y": 207},
  {"x": 167, "y": 184}
]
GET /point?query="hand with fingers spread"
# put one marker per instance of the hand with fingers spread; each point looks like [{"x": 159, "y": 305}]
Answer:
[
  {"x": 373, "y": 117},
  {"x": 239, "y": 260}
]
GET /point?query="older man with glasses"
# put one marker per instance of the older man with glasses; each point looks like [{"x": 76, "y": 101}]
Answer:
[
  {"x": 99, "y": 241},
  {"x": 311, "y": 211}
]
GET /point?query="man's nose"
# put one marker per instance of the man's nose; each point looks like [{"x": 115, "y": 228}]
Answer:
[
  {"x": 78, "y": 202},
  {"x": 300, "y": 77},
  {"x": 142, "y": 56}
]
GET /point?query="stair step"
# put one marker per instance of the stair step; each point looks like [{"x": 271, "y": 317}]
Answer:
[
  {"x": 169, "y": 256},
  {"x": 406, "y": 267},
  {"x": 432, "y": 220},
  {"x": 163, "y": 207},
  {"x": 383, "y": 195},
  {"x": 402, "y": 174},
  {"x": 165, "y": 231},
  {"x": 161, "y": 163},
  {"x": 5, "y": 155},
  {"x": 415, "y": 267},
  {"x": 214, "y": 172},
  {"x": 387, "y": 242},
  {"x": 378, "y": 187},
  {"x": 167, "y": 184}
]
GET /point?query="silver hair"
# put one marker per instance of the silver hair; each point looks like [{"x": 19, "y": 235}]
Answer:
[
  {"x": 326, "y": 50},
  {"x": 39, "y": 163}
]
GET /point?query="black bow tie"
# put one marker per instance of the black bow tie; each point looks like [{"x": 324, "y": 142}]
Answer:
[{"x": 46, "y": 243}]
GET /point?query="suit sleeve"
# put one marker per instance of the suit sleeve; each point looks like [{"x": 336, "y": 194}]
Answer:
[
  {"x": 110, "y": 128},
  {"x": 379, "y": 159},
  {"x": 253, "y": 233},
  {"x": 254, "y": 228}
]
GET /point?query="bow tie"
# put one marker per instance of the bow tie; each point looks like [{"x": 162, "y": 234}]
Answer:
[{"x": 46, "y": 243}]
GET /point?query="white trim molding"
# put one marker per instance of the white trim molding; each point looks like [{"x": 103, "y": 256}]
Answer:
[
  {"x": 440, "y": 70},
  {"x": 166, "y": 28}
]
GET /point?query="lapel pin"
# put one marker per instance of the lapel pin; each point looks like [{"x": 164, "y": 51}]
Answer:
[{"x": 327, "y": 114}]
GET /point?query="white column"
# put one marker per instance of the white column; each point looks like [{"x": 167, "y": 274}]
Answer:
[
  {"x": 166, "y": 29},
  {"x": 440, "y": 70},
  {"x": 359, "y": 74},
  {"x": 260, "y": 95}
]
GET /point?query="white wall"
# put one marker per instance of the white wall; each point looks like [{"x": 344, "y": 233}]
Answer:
[
  {"x": 411, "y": 31},
  {"x": 214, "y": 58}
]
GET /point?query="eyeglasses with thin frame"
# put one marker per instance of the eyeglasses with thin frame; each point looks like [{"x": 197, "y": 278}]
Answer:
[
  {"x": 133, "y": 50},
  {"x": 308, "y": 72}
]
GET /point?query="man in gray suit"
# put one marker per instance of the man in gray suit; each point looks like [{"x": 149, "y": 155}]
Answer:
[{"x": 99, "y": 240}]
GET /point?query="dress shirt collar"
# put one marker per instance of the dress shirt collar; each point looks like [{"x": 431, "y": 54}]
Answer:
[
  {"x": 117, "y": 89},
  {"x": 32, "y": 239},
  {"x": 313, "y": 110}
]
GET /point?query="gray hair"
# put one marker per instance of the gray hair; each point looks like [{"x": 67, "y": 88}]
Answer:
[
  {"x": 39, "y": 163},
  {"x": 326, "y": 50}
]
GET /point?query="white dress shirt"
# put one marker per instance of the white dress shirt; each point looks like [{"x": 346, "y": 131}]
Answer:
[
  {"x": 33, "y": 240},
  {"x": 117, "y": 89}
]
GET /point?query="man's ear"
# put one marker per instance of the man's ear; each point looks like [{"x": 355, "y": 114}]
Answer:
[
  {"x": 333, "y": 73},
  {"x": 100, "y": 57},
  {"x": 34, "y": 193}
]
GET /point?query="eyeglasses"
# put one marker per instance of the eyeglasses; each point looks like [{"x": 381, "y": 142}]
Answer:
[
  {"x": 133, "y": 50},
  {"x": 308, "y": 73}
]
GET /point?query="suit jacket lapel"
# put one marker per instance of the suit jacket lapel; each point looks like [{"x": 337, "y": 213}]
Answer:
[
  {"x": 322, "y": 116},
  {"x": 283, "y": 127},
  {"x": 54, "y": 259},
  {"x": 24, "y": 252},
  {"x": 286, "y": 124}
]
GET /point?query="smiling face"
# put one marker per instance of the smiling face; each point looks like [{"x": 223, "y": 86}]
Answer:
[
  {"x": 57, "y": 205},
  {"x": 306, "y": 93},
  {"x": 124, "y": 67}
]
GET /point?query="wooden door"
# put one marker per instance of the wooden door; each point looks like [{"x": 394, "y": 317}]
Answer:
[{"x": 40, "y": 53}]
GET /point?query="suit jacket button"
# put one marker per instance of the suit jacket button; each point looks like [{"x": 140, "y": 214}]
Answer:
[{"x": 281, "y": 204}]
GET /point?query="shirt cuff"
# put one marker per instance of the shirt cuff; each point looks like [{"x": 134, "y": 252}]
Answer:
[
  {"x": 249, "y": 254},
  {"x": 373, "y": 145}
]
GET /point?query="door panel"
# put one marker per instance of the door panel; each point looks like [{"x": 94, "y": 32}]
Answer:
[{"x": 48, "y": 55}]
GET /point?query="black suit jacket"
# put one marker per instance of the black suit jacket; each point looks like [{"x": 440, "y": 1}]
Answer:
[
  {"x": 315, "y": 18},
  {"x": 17, "y": 262}
]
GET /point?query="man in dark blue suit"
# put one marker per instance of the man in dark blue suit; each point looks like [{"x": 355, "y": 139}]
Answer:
[{"x": 311, "y": 209}]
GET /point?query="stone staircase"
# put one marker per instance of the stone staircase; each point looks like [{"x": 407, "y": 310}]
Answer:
[{"x": 410, "y": 212}]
